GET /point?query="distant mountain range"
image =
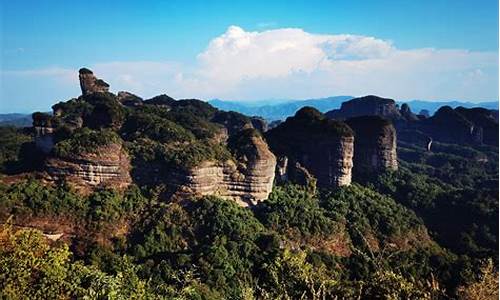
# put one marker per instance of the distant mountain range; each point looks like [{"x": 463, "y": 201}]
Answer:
[
  {"x": 279, "y": 111},
  {"x": 282, "y": 110},
  {"x": 15, "y": 119}
]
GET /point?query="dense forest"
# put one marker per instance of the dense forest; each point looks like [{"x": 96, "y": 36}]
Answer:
[{"x": 426, "y": 231}]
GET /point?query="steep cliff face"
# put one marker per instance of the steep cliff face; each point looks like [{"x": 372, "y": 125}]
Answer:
[
  {"x": 366, "y": 106},
  {"x": 461, "y": 126},
  {"x": 323, "y": 147},
  {"x": 106, "y": 166},
  {"x": 248, "y": 181},
  {"x": 90, "y": 84},
  {"x": 485, "y": 124},
  {"x": 375, "y": 144}
]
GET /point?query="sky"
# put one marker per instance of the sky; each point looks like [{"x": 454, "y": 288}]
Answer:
[{"x": 249, "y": 50}]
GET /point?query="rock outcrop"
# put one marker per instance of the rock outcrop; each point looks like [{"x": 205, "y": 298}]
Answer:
[
  {"x": 90, "y": 84},
  {"x": 248, "y": 181},
  {"x": 366, "y": 106},
  {"x": 323, "y": 147},
  {"x": 107, "y": 166},
  {"x": 407, "y": 114},
  {"x": 259, "y": 123},
  {"x": 44, "y": 132},
  {"x": 374, "y": 146},
  {"x": 473, "y": 126},
  {"x": 129, "y": 99}
]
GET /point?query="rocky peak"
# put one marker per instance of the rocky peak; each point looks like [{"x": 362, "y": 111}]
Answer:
[
  {"x": 407, "y": 114},
  {"x": 259, "y": 123},
  {"x": 323, "y": 147},
  {"x": 366, "y": 106},
  {"x": 90, "y": 84},
  {"x": 375, "y": 144},
  {"x": 129, "y": 99}
]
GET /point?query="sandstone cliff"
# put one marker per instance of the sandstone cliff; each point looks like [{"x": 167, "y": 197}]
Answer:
[
  {"x": 106, "y": 166},
  {"x": 374, "y": 145},
  {"x": 248, "y": 181},
  {"x": 323, "y": 147}
]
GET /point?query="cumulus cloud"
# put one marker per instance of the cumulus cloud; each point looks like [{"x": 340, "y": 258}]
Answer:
[{"x": 292, "y": 63}]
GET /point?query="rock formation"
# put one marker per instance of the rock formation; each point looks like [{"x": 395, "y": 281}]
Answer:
[
  {"x": 366, "y": 106},
  {"x": 129, "y": 99},
  {"x": 374, "y": 145},
  {"x": 90, "y": 84},
  {"x": 407, "y": 114},
  {"x": 323, "y": 147},
  {"x": 44, "y": 132},
  {"x": 248, "y": 181},
  {"x": 106, "y": 166},
  {"x": 461, "y": 126},
  {"x": 259, "y": 123}
]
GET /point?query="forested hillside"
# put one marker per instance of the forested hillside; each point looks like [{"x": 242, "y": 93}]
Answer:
[{"x": 116, "y": 197}]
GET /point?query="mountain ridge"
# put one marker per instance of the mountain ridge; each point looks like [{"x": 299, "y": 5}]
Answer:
[{"x": 282, "y": 110}]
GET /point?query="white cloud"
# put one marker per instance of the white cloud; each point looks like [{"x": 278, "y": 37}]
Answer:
[
  {"x": 293, "y": 63},
  {"x": 289, "y": 63}
]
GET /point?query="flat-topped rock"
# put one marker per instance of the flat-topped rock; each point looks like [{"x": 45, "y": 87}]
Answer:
[
  {"x": 374, "y": 145},
  {"x": 323, "y": 147},
  {"x": 366, "y": 106}
]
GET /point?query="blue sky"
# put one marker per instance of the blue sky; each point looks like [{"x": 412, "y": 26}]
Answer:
[{"x": 250, "y": 49}]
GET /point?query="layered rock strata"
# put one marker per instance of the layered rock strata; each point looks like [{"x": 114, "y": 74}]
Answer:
[
  {"x": 375, "y": 144},
  {"x": 248, "y": 181},
  {"x": 107, "y": 166},
  {"x": 323, "y": 147}
]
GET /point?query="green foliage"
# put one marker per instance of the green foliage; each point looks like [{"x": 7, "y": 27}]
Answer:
[
  {"x": 32, "y": 198},
  {"x": 31, "y": 269},
  {"x": 366, "y": 210},
  {"x": 293, "y": 206},
  {"x": 85, "y": 141},
  {"x": 16, "y": 150},
  {"x": 155, "y": 128}
]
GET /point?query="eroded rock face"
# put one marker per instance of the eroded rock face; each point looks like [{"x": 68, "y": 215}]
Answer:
[
  {"x": 323, "y": 147},
  {"x": 375, "y": 144},
  {"x": 248, "y": 181},
  {"x": 366, "y": 106},
  {"x": 129, "y": 99},
  {"x": 108, "y": 166},
  {"x": 461, "y": 126},
  {"x": 90, "y": 84}
]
